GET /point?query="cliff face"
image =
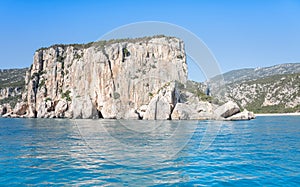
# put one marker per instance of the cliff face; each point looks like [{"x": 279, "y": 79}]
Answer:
[
  {"x": 143, "y": 78},
  {"x": 101, "y": 80}
]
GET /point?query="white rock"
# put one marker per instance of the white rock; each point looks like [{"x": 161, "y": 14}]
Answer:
[
  {"x": 198, "y": 111},
  {"x": 158, "y": 109},
  {"x": 132, "y": 114},
  {"x": 228, "y": 109},
  {"x": 20, "y": 108},
  {"x": 245, "y": 115},
  {"x": 113, "y": 82},
  {"x": 60, "y": 108},
  {"x": 141, "y": 111},
  {"x": 181, "y": 111}
]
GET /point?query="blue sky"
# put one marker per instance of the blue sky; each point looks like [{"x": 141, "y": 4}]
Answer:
[{"x": 240, "y": 33}]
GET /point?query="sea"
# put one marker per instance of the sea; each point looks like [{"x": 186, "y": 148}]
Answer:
[{"x": 62, "y": 152}]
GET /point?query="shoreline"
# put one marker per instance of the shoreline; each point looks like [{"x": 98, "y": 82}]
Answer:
[{"x": 278, "y": 114}]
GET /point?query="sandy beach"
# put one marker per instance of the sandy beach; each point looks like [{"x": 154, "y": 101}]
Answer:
[{"x": 279, "y": 114}]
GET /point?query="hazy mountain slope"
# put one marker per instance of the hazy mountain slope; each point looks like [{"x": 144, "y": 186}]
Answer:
[
  {"x": 275, "y": 94},
  {"x": 12, "y": 77},
  {"x": 12, "y": 83},
  {"x": 256, "y": 73}
]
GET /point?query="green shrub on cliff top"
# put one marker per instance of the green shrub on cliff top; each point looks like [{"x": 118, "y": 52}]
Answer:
[{"x": 102, "y": 43}]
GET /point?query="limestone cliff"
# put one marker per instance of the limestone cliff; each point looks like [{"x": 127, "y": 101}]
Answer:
[
  {"x": 144, "y": 78},
  {"x": 103, "y": 79}
]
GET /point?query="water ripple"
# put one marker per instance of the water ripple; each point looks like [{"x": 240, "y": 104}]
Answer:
[{"x": 262, "y": 152}]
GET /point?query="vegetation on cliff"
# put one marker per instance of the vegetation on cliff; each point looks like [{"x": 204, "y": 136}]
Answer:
[
  {"x": 102, "y": 43},
  {"x": 12, "y": 85},
  {"x": 12, "y": 77},
  {"x": 273, "y": 94},
  {"x": 50, "y": 88}
]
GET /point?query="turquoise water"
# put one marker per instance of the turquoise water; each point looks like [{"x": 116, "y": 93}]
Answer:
[{"x": 261, "y": 152}]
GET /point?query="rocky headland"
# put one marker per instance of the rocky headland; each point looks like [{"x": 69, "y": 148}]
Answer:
[{"x": 144, "y": 78}]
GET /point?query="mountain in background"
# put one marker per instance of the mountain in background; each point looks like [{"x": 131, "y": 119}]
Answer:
[
  {"x": 249, "y": 74},
  {"x": 12, "y": 83},
  {"x": 272, "y": 94},
  {"x": 274, "y": 89}
]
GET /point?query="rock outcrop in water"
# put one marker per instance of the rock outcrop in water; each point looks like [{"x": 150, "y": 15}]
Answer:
[{"x": 120, "y": 79}]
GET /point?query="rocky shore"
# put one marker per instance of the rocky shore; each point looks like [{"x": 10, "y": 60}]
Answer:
[{"x": 141, "y": 78}]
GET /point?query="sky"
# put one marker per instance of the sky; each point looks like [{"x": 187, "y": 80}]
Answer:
[{"x": 239, "y": 33}]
